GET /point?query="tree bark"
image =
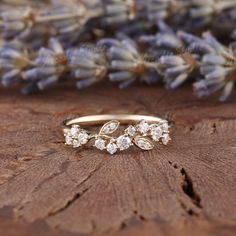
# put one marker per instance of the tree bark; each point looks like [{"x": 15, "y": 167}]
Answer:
[{"x": 185, "y": 188}]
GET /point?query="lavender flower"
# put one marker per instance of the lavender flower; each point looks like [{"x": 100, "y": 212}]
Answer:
[
  {"x": 69, "y": 20},
  {"x": 174, "y": 56},
  {"x": 66, "y": 20},
  {"x": 21, "y": 24},
  {"x": 48, "y": 67},
  {"x": 17, "y": 22},
  {"x": 226, "y": 20},
  {"x": 14, "y": 59},
  {"x": 165, "y": 39},
  {"x": 118, "y": 11},
  {"x": 200, "y": 13},
  {"x": 87, "y": 64},
  {"x": 196, "y": 46},
  {"x": 158, "y": 9},
  {"x": 127, "y": 64},
  {"x": 177, "y": 68},
  {"x": 218, "y": 69}
]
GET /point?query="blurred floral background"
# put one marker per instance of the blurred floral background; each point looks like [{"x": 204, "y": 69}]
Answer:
[{"x": 155, "y": 42}]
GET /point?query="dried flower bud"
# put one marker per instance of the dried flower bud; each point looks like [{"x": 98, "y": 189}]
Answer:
[
  {"x": 87, "y": 64},
  {"x": 49, "y": 66},
  {"x": 13, "y": 60},
  {"x": 118, "y": 11},
  {"x": 218, "y": 69},
  {"x": 126, "y": 62},
  {"x": 165, "y": 39},
  {"x": 158, "y": 9},
  {"x": 177, "y": 68}
]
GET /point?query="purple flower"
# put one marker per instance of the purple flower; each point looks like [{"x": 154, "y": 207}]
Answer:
[
  {"x": 14, "y": 59},
  {"x": 48, "y": 67},
  {"x": 218, "y": 69}
]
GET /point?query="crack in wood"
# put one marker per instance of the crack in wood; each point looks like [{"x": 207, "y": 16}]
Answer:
[
  {"x": 188, "y": 190},
  {"x": 214, "y": 130},
  {"x": 76, "y": 195},
  {"x": 62, "y": 169},
  {"x": 69, "y": 203},
  {"x": 190, "y": 211}
]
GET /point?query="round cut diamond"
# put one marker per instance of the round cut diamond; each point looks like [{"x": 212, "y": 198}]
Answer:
[
  {"x": 83, "y": 138},
  {"x": 165, "y": 127},
  {"x": 131, "y": 130},
  {"x": 68, "y": 140},
  {"x": 143, "y": 127},
  {"x": 112, "y": 148},
  {"x": 156, "y": 133},
  {"x": 74, "y": 131},
  {"x": 76, "y": 143},
  {"x": 123, "y": 142},
  {"x": 100, "y": 144},
  {"x": 165, "y": 139}
]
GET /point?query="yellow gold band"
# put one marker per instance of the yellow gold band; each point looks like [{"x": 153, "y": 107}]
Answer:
[
  {"x": 142, "y": 131},
  {"x": 101, "y": 119}
]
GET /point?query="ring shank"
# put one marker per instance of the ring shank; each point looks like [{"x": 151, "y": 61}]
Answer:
[{"x": 101, "y": 119}]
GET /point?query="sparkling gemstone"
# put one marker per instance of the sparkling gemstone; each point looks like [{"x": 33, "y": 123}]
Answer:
[
  {"x": 165, "y": 139},
  {"x": 144, "y": 144},
  {"x": 165, "y": 127},
  {"x": 123, "y": 142},
  {"x": 143, "y": 127},
  {"x": 110, "y": 127},
  {"x": 112, "y": 148},
  {"x": 68, "y": 140},
  {"x": 74, "y": 131},
  {"x": 106, "y": 130},
  {"x": 131, "y": 130},
  {"x": 83, "y": 138},
  {"x": 156, "y": 133},
  {"x": 76, "y": 143},
  {"x": 100, "y": 144}
]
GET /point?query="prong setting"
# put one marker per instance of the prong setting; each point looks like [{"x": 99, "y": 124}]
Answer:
[{"x": 143, "y": 135}]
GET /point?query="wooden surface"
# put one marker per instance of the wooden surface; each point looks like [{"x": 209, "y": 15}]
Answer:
[{"x": 187, "y": 188}]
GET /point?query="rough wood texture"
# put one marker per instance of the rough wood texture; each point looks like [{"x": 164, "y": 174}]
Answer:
[{"x": 187, "y": 188}]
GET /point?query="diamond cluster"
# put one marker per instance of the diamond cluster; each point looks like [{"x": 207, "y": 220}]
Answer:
[
  {"x": 76, "y": 136},
  {"x": 142, "y": 135}
]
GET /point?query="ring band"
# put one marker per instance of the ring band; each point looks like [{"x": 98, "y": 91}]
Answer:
[{"x": 142, "y": 131}]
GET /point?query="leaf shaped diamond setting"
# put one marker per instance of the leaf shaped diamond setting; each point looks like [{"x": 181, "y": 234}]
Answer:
[{"x": 143, "y": 135}]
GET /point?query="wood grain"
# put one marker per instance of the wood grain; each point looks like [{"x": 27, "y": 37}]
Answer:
[{"x": 187, "y": 188}]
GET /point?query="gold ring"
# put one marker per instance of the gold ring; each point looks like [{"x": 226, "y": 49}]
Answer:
[{"x": 142, "y": 131}]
